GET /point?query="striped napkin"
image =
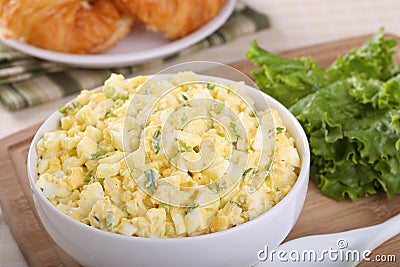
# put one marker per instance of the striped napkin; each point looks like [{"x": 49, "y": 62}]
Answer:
[{"x": 26, "y": 81}]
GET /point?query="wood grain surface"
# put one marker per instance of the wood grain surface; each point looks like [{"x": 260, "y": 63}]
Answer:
[
  {"x": 17, "y": 204},
  {"x": 320, "y": 215}
]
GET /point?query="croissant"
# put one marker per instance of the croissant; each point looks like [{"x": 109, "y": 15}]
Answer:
[
  {"x": 72, "y": 26},
  {"x": 175, "y": 18}
]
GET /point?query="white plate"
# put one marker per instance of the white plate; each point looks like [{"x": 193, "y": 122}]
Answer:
[{"x": 139, "y": 46}]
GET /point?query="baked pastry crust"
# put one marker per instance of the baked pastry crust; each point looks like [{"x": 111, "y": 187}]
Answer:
[
  {"x": 175, "y": 18},
  {"x": 72, "y": 26}
]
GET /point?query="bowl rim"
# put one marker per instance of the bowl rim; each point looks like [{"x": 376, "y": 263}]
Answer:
[{"x": 303, "y": 176}]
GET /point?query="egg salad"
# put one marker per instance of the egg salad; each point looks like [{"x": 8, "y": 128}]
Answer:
[{"x": 172, "y": 157}]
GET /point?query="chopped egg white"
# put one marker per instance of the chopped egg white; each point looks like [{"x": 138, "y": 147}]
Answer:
[{"x": 111, "y": 166}]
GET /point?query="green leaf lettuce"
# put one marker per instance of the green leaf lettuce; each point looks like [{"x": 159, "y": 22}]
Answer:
[{"x": 350, "y": 112}]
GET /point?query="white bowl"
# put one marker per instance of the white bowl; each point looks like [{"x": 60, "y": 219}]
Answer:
[{"x": 236, "y": 246}]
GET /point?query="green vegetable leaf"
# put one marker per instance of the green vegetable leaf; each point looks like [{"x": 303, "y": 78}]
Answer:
[
  {"x": 234, "y": 128},
  {"x": 185, "y": 97},
  {"x": 67, "y": 171},
  {"x": 350, "y": 112},
  {"x": 100, "y": 180},
  {"x": 151, "y": 175},
  {"x": 381, "y": 94},
  {"x": 109, "y": 220},
  {"x": 184, "y": 147},
  {"x": 115, "y": 94},
  {"x": 156, "y": 141},
  {"x": 65, "y": 109},
  {"x": 90, "y": 175},
  {"x": 269, "y": 164},
  {"x": 210, "y": 86},
  {"x": 209, "y": 124},
  {"x": 107, "y": 114},
  {"x": 184, "y": 120},
  {"x": 279, "y": 130},
  {"x": 192, "y": 206},
  {"x": 214, "y": 187},
  {"x": 287, "y": 80},
  {"x": 374, "y": 59},
  {"x": 124, "y": 209},
  {"x": 98, "y": 155},
  {"x": 247, "y": 171}
]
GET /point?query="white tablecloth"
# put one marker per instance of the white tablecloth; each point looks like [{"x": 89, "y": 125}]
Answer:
[{"x": 294, "y": 23}]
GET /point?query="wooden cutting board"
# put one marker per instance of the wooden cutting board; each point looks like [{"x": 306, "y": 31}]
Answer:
[{"x": 320, "y": 215}]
